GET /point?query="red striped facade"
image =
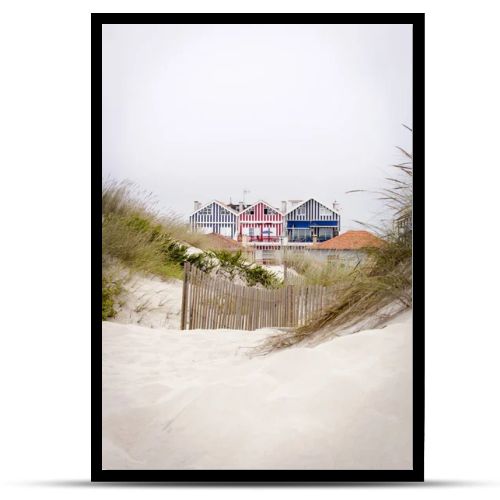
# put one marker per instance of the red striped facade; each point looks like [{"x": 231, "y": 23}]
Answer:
[{"x": 260, "y": 222}]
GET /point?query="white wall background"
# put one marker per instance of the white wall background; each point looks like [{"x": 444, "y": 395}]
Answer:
[{"x": 45, "y": 325}]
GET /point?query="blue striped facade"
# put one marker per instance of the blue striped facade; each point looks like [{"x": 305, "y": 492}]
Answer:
[
  {"x": 215, "y": 218},
  {"x": 311, "y": 221}
]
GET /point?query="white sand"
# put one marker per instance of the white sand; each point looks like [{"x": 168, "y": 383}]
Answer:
[
  {"x": 150, "y": 301},
  {"x": 192, "y": 400},
  {"x": 193, "y": 250},
  {"x": 279, "y": 271}
]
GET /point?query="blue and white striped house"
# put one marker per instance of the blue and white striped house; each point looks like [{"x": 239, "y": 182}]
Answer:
[
  {"x": 310, "y": 221},
  {"x": 214, "y": 217}
]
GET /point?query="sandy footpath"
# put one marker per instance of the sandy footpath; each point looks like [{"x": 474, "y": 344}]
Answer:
[{"x": 192, "y": 400}]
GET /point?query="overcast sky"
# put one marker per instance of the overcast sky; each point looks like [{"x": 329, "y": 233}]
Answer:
[{"x": 202, "y": 112}]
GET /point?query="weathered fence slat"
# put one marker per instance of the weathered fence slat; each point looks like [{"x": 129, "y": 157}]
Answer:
[
  {"x": 184, "y": 296},
  {"x": 210, "y": 302}
]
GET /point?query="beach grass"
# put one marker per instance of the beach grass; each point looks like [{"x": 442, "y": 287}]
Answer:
[
  {"x": 383, "y": 278},
  {"x": 138, "y": 238}
]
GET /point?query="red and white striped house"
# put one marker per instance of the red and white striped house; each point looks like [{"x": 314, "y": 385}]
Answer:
[{"x": 260, "y": 222}]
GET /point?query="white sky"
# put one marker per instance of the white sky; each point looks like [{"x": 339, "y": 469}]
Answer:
[{"x": 202, "y": 112}]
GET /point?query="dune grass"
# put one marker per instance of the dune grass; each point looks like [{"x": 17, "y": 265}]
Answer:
[
  {"x": 126, "y": 200},
  {"x": 138, "y": 237},
  {"x": 313, "y": 271},
  {"x": 383, "y": 278},
  {"x": 133, "y": 234}
]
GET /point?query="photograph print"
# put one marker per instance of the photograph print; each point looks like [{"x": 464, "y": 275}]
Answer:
[{"x": 261, "y": 248}]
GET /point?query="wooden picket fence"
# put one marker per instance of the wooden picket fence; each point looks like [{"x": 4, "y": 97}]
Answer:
[{"x": 212, "y": 303}]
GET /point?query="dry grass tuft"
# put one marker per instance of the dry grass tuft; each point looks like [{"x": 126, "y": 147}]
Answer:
[
  {"x": 317, "y": 272},
  {"x": 135, "y": 235},
  {"x": 125, "y": 199},
  {"x": 384, "y": 278}
]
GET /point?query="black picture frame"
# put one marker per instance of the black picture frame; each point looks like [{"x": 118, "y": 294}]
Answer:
[{"x": 260, "y": 477}]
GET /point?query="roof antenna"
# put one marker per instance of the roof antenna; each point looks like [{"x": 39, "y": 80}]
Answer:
[{"x": 245, "y": 192}]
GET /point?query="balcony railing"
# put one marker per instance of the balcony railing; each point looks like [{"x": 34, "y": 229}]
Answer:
[
  {"x": 308, "y": 239},
  {"x": 264, "y": 238}
]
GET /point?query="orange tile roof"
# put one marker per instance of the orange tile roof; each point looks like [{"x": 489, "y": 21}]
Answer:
[
  {"x": 350, "y": 240},
  {"x": 219, "y": 242}
]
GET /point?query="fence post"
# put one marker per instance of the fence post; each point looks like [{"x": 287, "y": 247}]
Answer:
[
  {"x": 184, "y": 296},
  {"x": 288, "y": 299},
  {"x": 208, "y": 302}
]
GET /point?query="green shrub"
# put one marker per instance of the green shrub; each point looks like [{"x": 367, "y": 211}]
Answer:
[
  {"x": 110, "y": 290},
  {"x": 258, "y": 275},
  {"x": 134, "y": 234},
  {"x": 171, "y": 250},
  {"x": 234, "y": 264},
  {"x": 204, "y": 261}
]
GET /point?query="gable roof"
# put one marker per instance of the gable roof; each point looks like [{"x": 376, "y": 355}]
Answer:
[
  {"x": 313, "y": 199},
  {"x": 265, "y": 203},
  {"x": 223, "y": 205},
  {"x": 351, "y": 240}
]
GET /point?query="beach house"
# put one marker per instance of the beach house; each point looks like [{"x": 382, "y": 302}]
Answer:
[
  {"x": 310, "y": 221},
  {"x": 260, "y": 222},
  {"x": 214, "y": 217}
]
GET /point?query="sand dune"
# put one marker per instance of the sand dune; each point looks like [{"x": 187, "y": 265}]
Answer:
[
  {"x": 195, "y": 399},
  {"x": 150, "y": 301}
]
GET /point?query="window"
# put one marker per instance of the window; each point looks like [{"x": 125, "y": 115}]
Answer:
[
  {"x": 325, "y": 233},
  {"x": 324, "y": 212},
  {"x": 301, "y": 211},
  {"x": 250, "y": 231},
  {"x": 251, "y": 211},
  {"x": 206, "y": 211},
  {"x": 269, "y": 211},
  {"x": 300, "y": 234}
]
